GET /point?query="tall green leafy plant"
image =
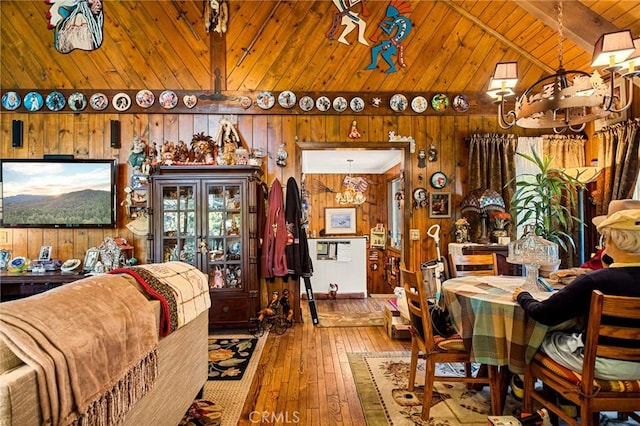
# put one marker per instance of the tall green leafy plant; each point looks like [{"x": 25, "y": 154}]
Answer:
[{"x": 545, "y": 200}]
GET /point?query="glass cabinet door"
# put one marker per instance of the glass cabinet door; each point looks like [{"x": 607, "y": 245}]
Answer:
[
  {"x": 225, "y": 235},
  {"x": 178, "y": 237}
]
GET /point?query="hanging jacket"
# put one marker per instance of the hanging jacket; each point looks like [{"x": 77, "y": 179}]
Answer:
[
  {"x": 297, "y": 251},
  {"x": 273, "y": 262}
]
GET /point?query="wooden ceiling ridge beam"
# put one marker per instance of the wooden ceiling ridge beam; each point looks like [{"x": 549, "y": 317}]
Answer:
[
  {"x": 499, "y": 36},
  {"x": 581, "y": 25}
]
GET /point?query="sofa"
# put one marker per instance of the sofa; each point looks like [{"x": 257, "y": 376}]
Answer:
[{"x": 180, "y": 360}]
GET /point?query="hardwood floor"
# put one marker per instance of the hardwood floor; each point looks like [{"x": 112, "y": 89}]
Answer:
[{"x": 304, "y": 376}]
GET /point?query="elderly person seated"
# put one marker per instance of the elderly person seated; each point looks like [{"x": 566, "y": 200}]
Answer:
[{"x": 620, "y": 277}]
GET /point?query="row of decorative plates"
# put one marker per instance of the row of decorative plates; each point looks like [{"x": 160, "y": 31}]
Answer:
[
  {"x": 398, "y": 102},
  {"x": 56, "y": 101}
]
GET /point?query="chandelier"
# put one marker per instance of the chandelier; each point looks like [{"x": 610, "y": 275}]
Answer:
[
  {"x": 569, "y": 99},
  {"x": 354, "y": 189}
]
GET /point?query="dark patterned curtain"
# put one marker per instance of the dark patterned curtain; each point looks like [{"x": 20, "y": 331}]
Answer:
[
  {"x": 491, "y": 166},
  {"x": 492, "y": 163},
  {"x": 618, "y": 157}
]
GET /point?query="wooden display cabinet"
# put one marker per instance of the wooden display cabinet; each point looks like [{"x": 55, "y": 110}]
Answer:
[{"x": 207, "y": 216}]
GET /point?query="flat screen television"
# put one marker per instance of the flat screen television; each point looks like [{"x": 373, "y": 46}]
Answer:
[{"x": 57, "y": 193}]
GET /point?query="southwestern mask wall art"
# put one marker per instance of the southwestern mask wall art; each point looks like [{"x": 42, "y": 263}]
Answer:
[{"x": 77, "y": 24}]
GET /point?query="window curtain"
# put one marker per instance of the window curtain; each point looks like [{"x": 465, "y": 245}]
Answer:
[
  {"x": 618, "y": 156},
  {"x": 491, "y": 165}
]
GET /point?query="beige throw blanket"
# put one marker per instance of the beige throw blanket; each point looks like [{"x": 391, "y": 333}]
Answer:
[
  {"x": 92, "y": 344},
  {"x": 183, "y": 291}
]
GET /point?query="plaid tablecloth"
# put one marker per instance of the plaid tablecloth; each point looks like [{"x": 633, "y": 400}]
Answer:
[{"x": 494, "y": 328}]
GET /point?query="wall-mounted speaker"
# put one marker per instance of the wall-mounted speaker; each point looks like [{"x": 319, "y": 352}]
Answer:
[
  {"x": 115, "y": 134},
  {"x": 16, "y": 133}
]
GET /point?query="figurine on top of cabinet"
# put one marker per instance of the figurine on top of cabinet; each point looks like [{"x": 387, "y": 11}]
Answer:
[{"x": 138, "y": 153}]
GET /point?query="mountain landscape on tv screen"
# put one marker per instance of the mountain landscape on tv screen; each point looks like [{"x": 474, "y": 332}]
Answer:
[{"x": 86, "y": 207}]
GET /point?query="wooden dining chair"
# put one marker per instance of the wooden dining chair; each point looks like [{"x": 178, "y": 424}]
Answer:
[
  {"x": 461, "y": 265},
  {"x": 613, "y": 332},
  {"x": 435, "y": 349}
]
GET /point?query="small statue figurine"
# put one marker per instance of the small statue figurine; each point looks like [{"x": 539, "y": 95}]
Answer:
[
  {"x": 354, "y": 133},
  {"x": 281, "y": 156},
  {"x": 272, "y": 307},
  {"x": 287, "y": 311},
  {"x": 462, "y": 230},
  {"x": 333, "y": 291}
]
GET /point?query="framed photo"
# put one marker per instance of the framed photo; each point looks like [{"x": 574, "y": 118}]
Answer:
[
  {"x": 90, "y": 259},
  {"x": 619, "y": 100},
  {"x": 45, "y": 253},
  {"x": 340, "y": 221},
  {"x": 439, "y": 205}
]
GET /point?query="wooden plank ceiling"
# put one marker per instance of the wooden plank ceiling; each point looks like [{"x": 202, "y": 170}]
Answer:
[{"x": 452, "y": 47}]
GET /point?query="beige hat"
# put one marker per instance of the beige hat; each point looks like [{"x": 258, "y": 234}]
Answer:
[
  {"x": 622, "y": 214},
  {"x": 616, "y": 206}
]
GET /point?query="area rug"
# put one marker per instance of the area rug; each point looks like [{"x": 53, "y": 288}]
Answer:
[
  {"x": 229, "y": 357},
  {"x": 381, "y": 381},
  {"x": 350, "y": 319},
  {"x": 230, "y": 395}
]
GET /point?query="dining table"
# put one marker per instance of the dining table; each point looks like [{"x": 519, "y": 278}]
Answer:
[{"x": 493, "y": 327}]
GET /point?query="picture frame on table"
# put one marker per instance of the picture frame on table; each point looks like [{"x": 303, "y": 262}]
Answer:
[
  {"x": 45, "y": 254},
  {"x": 340, "y": 220},
  {"x": 619, "y": 100},
  {"x": 439, "y": 205},
  {"x": 90, "y": 259}
]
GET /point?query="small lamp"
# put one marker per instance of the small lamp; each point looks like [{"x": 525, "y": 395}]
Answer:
[
  {"x": 482, "y": 201},
  {"x": 505, "y": 76}
]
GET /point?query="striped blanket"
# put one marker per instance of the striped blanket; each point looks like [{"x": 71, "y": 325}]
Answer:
[{"x": 181, "y": 289}]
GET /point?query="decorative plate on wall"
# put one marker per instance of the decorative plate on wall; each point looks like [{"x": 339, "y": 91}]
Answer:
[
  {"x": 398, "y": 102},
  {"x": 419, "y": 104},
  {"x": 340, "y": 104},
  {"x": 168, "y": 99},
  {"x": 246, "y": 102},
  {"x": 439, "y": 180},
  {"x": 287, "y": 99},
  {"x": 266, "y": 100},
  {"x": 191, "y": 100},
  {"x": 99, "y": 101},
  {"x": 323, "y": 103},
  {"x": 33, "y": 101},
  {"x": 145, "y": 98},
  {"x": 121, "y": 101},
  {"x": 11, "y": 101},
  {"x": 77, "y": 101},
  {"x": 460, "y": 103},
  {"x": 357, "y": 104},
  {"x": 440, "y": 102},
  {"x": 56, "y": 101},
  {"x": 306, "y": 103}
]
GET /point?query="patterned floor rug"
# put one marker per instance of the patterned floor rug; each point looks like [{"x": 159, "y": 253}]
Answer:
[
  {"x": 229, "y": 357},
  {"x": 381, "y": 381},
  {"x": 350, "y": 319}
]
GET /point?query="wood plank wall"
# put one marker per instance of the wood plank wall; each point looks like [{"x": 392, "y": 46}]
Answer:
[{"x": 87, "y": 136}]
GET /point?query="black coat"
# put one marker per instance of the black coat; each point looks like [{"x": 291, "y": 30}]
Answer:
[{"x": 297, "y": 253}]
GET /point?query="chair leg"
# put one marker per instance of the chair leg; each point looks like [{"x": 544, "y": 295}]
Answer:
[
  {"x": 527, "y": 399},
  {"x": 415, "y": 352},
  {"x": 430, "y": 371},
  {"x": 496, "y": 389}
]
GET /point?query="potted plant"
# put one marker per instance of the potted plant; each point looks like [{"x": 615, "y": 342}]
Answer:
[{"x": 544, "y": 201}]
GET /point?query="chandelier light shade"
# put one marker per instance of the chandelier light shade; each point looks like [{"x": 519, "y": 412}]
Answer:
[
  {"x": 354, "y": 189},
  {"x": 612, "y": 48},
  {"x": 569, "y": 99}
]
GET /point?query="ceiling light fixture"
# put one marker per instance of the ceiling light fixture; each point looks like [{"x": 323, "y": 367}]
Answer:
[
  {"x": 354, "y": 192},
  {"x": 569, "y": 99}
]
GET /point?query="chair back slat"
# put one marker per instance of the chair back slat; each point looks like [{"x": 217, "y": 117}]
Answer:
[
  {"x": 473, "y": 264},
  {"x": 613, "y": 331},
  {"x": 420, "y": 316}
]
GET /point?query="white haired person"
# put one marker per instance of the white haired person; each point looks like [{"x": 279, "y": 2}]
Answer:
[{"x": 620, "y": 277}]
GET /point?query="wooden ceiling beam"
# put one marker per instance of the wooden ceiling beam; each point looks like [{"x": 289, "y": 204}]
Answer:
[{"x": 581, "y": 25}]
